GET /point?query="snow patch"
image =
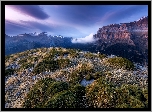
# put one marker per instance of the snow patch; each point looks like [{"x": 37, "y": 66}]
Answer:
[{"x": 85, "y": 82}]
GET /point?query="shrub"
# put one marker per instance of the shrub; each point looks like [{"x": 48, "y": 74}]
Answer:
[
  {"x": 62, "y": 53},
  {"x": 36, "y": 59},
  {"x": 89, "y": 55},
  {"x": 129, "y": 96},
  {"x": 73, "y": 52},
  {"x": 75, "y": 78},
  {"x": 22, "y": 61},
  {"x": 48, "y": 93},
  {"x": 63, "y": 99},
  {"x": 97, "y": 75},
  {"x": 85, "y": 68},
  {"x": 88, "y": 77},
  {"x": 101, "y": 56},
  {"x": 9, "y": 72},
  {"x": 49, "y": 64},
  {"x": 145, "y": 93},
  {"x": 81, "y": 72},
  {"x": 99, "y": 94},
  {"x": 7, "y": 57},
  {"x": 120, "y": 62},
  {"x": 42, "y": 91},
  {"x": 63, "y": 63},
  {"x": 27, "y": 65},
  {"x": 103, "y": 94},
  {"x": 71, "y": 98},
  {"x": 52, "y": 53}
]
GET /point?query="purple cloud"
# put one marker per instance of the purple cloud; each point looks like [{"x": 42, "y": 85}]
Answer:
[
  {"x": 31, "y": 10},
  {"x": 12, "y": 27}
]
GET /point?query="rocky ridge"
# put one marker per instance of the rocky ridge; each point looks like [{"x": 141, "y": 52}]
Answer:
[{"x": 130, "y": 33}]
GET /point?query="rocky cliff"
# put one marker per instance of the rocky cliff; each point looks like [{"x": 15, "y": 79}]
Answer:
[
  {"x": 132, "y": 36},
  {"x": 133, "y": 33}
]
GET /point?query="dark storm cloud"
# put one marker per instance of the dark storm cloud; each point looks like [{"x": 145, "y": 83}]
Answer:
[{"x": 31, "y": 10}]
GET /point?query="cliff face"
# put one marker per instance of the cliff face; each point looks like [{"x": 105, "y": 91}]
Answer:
[
  {"x": 133, "y": 33},
  {"x": 130, "y": 39}
]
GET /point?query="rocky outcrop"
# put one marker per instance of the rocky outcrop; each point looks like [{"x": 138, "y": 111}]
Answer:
[{"x": 131, "y": 33}]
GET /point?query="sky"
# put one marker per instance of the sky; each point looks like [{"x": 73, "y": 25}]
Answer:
[{"x": 77, "y": 21}]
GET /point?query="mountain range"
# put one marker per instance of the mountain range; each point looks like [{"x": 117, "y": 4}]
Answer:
[{"x": 129, "y": 40}]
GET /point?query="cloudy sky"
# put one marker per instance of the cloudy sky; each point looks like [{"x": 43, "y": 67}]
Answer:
[{"x": 68, "y": 20}]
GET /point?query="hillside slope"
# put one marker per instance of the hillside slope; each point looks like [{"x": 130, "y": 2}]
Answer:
[{"x": 57, "y": 74}]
